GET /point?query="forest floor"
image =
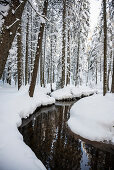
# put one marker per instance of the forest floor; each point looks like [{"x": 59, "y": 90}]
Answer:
[{"x": 93, "y": 118}]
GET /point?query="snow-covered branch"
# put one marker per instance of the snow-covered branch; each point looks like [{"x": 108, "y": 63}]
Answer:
[{"x": 8, "y": 27}]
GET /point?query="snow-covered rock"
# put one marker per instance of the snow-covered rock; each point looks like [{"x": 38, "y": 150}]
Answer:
[{"x": 93, "y": 118}]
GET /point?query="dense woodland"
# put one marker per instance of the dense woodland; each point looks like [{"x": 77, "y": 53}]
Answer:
[
  {"x": 56, "y": 85},
  {"x": 46, "y": 42}
]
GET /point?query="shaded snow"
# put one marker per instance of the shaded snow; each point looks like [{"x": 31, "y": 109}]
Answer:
[
  {"x": 14, "y": 105},
  {"x": 93, "y": 118}
]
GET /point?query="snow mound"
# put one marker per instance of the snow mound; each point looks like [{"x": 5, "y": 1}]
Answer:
[
  {"x": 70, "y": 92},
  {"x": 14, "y": 105},
  {"x": 93, "y": 118}
]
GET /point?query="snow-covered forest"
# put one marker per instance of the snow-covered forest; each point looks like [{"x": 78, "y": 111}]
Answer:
[{"x": 57, "y": 56}]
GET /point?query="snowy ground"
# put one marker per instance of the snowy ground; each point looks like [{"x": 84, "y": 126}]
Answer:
[
  {"x": 14, "y": 105},
  {"x": 93, "y": 118},
  {"x": 71, "y": 92}
]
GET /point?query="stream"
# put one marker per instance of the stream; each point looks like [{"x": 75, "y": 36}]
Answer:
[{"x": 46, "y": 132}]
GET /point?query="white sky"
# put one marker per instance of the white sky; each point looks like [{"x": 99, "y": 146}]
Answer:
[{"x": 94, "y": 11}]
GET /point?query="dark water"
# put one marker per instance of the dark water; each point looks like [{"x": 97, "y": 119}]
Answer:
[{"x": 47, "y": 134}]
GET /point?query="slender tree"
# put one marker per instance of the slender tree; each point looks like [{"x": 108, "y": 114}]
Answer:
[
  {"x": 105, "y": 49},
  {"x": 112, "y": 87},
  {"x": 19, "y": 56},
  {"x": 68, "y": 60},
  {"x": 27, "y": 50},
  {"x": 38, "y": 52},
  {"x": 63, "y": 44}
]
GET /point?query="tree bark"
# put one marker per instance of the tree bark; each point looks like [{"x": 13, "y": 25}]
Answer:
[
  {"x": 38, "y": 53},
  {"x": 68, "y": 60},
  {"x": 96, "y": 68},
  {"x": 105, "y": 50},
  {"x": 77, "y": 65},
  {"x": 41, "y": 74},
  {"x": 43, "y": 81},
  {"x": 112, "y": 87},
  {"x": 109, "y": 70},
  {"x": 26, "y": 57},
  {"x": 63, "y": 45},
  {"x": 78, "y": 50},
  {"x": 51, "y": 61},
  {"x": 9, "y": 29},
  {"x": 9, "y": 73},
  {"x": 19, "y": 57}
]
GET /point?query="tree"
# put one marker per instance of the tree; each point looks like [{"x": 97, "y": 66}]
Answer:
[
  {"x": 105, "y": 49},
  {"x": 9, "y": 28},
  {"x": 19, "y": 56},
  {"x": 26, "y": 56},
  {"x": 38, "y": 52},
  {"x": 63, "y": 45},
  {"x": 112, "y": 87}
]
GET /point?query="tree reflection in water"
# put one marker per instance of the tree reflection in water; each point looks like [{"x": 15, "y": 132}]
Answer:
[{"x": 47, "y": 134}]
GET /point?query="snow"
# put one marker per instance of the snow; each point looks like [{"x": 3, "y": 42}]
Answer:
[
  {"x": 70, "y": 92},
  {"x": 14, "y": 105},
  {"x": 4, "y": 12},
  {"x": 93, "y": 118}
]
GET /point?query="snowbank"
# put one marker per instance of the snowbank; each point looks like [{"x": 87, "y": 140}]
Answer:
[
  {"x": 14, "y": 105},
  {"x": 93, "y": 118},
  {"x": 71, "y": 92}
]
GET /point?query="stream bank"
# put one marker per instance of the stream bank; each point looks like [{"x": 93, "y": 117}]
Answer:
[{"x": 46, "y": 132}]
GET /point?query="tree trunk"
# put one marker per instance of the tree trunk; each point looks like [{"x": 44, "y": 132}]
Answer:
[
  {"x": 96, "y": 69},
  {"x": 9, "y": 29},
  {"x": 100, "y": 69},
  {"x": 109, "y": 70},
  {"x": 78, "y": 50},
  {"x": 43, "y": 81},
  {"x": 77, "y": 65},
  {"x": 19, "y": 57},
  {"x": 63, "y": 45},
  {"x": 9, "y": 73},
  {"x": 105, "y": 50},
  {"x": 51, "y": 62},
  {"x": 31, "y": 54},
  {"x": 68, "y": 60},
  {"x": 112, "y": 87},
  {"x": 41, "y": 75},
  {"x": 26, "y": 57},
  {"x": 38, "y": 52}
]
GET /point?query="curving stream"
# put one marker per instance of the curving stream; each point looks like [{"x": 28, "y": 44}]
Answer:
[{"x": 47, "y": 134}]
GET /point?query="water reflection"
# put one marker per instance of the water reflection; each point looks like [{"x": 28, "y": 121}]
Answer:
[{"x": 48, "y": 135}]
